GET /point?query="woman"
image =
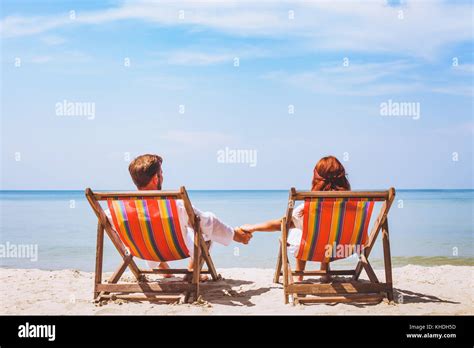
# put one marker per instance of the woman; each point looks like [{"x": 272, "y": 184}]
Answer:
[{"x": 328, "y": 175}]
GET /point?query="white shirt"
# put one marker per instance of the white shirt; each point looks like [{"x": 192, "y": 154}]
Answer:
[
  {"x": 295, "y": 234},
  {"x": 297, "y": 216},
  {"x": 212, "y": 228}
]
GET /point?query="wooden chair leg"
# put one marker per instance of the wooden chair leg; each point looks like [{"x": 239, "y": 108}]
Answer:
[
  {"x": 117, "y": 274},
  {"x": 387, "y": 260},
  {"x": 285, "y": 260},
  {"x": 99, "y": 259},
  {"x": 358, "y": 270},
  {"x": 196, "y": 275},
  {"x": 291, "y": 281},
  {"x": 197, "y": 262},
  {"x": 187, "y": 296},
  {"x": 327, "y": 270},
  {"x": 276, "y": 277},
  {"x": 368, "y": 269},
  {"x": 207, "y": 258},
  {"x": 201, "y": 262}
]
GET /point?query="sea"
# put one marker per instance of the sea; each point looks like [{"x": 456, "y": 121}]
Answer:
[{"x": 57, "y": 229}]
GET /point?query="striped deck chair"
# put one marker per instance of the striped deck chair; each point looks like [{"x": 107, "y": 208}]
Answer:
[
  {"x": 145, "y": 225},
  {"x": 335, "y": 226}
]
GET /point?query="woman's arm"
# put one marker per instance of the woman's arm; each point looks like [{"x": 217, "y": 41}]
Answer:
[{"x": 268, "y": 226}]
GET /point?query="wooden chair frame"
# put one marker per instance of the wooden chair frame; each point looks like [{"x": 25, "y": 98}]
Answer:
[
  {"x": 148, "y": 291},
  {"x": 353, "y": 291}
]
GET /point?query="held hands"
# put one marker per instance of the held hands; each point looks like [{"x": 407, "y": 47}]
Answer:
[{"x": 241, "y": 236}]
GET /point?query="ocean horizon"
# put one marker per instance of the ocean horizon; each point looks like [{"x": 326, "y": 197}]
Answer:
[{"x": 427, "y": 227}]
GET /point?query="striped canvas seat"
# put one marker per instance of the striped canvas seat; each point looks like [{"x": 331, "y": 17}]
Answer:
[
  {"x": 149, "y": 228},
  {"x": 334, "y": 228}
]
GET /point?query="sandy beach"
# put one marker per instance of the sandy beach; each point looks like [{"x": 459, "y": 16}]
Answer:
[{"x": 418, "y": 291}]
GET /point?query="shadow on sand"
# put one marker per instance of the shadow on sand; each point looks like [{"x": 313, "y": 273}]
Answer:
[
  {"x": 223, "y": 292},
  {"x": 229, "y": 292}
]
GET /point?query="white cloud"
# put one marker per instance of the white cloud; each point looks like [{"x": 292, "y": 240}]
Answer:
[
  {"x": 364, "y": 26},
  {"x": 465, "y": 69},
  {"x": 197, "y": 138},
  {"x": 14, "y": 26},
  {"x": 63, "y": 57},
  {"x": 41, "y": 59},
  {"x": 374, "y": 79},
  {"x": 464, "y": 128},
  {"x": 53, "y": 40},
  {"x": 164, "y": 82},
  {"x": 455, "y": 89},
  {"x": 195, "y": 58},
  {"x": 368, "y": 79}
]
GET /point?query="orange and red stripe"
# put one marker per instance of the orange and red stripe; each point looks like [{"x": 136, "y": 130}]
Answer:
[
  {"x": 331, "y": 223},
  {"x": 150, "y": 228}
]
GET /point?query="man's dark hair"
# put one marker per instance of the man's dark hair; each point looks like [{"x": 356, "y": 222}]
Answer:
[{"x": 143, "y": 168}]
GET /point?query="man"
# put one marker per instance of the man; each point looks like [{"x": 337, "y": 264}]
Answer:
[{"x": 147, "y": 174}]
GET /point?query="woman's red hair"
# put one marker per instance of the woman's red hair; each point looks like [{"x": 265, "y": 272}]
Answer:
[{"x": 329, "y": 175}]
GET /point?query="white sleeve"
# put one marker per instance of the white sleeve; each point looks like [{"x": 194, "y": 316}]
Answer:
[
  {"x": 297, "y": 216},
  {"x": 109, "y": 217},
  {"x": 213, "y": 229}
]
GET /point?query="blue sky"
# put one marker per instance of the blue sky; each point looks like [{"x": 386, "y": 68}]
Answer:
[{"x": 183, "y": 53}]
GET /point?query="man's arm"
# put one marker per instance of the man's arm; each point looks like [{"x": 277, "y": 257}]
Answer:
[{"x": 217, "y": 231}]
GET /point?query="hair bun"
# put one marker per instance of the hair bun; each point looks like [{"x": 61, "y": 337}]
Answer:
[{"x": 334, "y": 177}]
